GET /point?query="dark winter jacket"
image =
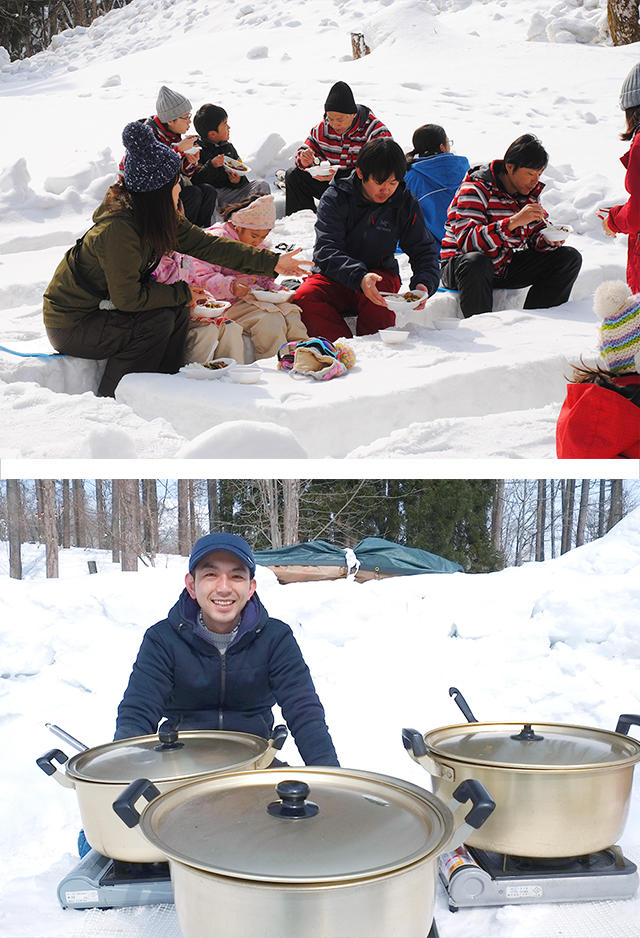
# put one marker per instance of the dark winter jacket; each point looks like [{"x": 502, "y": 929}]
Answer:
[
  {"x": 177, "y": 674},
  {"x": 355, "y": 236},
  {"x": 216, "y": 175},
  {"x": 434, "y": 181},
  {"x": 111, "y": 261},
  {"x": 598, "y": 422},
  {"x": 626, "y": 218},
  {"x": 478, "y": 219}
]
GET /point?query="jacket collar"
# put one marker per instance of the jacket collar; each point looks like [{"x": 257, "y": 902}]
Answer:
[{"x": 488, "y": 173}]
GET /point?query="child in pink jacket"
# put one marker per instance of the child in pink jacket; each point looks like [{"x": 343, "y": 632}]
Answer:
[{"x": 269, "y": 324}]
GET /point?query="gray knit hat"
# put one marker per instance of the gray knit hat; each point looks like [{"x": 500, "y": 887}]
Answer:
[
  {"x": 171, "y": 104},
  {"x": 630, "y": 91},
  {"x": 148, "y": 164}
]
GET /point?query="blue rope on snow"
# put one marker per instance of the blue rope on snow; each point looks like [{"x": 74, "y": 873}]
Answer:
[{"x": 11, "y": 351}]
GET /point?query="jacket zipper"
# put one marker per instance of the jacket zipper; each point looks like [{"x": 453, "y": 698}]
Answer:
[{"x": 223, "y": 685}]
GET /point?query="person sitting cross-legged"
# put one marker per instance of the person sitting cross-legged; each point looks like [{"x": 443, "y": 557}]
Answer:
[
  {"x": 360, "y": 221},
  {"x": 494, "y": 235}
]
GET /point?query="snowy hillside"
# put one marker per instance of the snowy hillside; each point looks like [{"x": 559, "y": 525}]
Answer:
[
  {"x": 555, "y": 641},
  {"x": 487, "y": 70}
]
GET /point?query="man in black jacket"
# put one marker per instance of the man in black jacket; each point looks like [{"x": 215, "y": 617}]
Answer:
[
  {"x": 361, "y": 220},
  {"x": 219, "y": 661}
]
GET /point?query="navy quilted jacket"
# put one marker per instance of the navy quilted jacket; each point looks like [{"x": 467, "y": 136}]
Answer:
[{"x": 179, "y": 674}]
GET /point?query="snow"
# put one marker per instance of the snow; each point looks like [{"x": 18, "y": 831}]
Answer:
[
  {"x": 531, "y": 66},
  {"x": 554, "y": 641}
]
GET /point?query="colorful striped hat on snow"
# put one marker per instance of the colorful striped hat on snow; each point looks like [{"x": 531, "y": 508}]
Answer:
[{"x": 619, "y": 336}]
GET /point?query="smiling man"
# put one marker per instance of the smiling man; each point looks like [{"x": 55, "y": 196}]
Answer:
[
  {"x": 361, "y": 220},
  {"x": 494, "y": 235},
  {"x": 219, "y": 661}
]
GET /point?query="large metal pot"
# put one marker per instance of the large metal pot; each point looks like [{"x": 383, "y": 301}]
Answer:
[
  {"x": 170, "y": 759},
  {"x": 303, "y": 853},
  {"x": 560, "y": 790}
]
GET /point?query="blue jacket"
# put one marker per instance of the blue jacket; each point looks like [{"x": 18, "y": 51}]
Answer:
[
  {"x": 434, "y": 180},
  {"x": 179, "y": 674},
  {"x": 355, "y": 236}
]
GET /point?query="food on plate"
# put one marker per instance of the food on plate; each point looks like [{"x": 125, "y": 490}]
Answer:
[
  {"x": 213, "y": 304},
  {"x": 235, "y": 164},
  {"x": 216, "y": 364},
  {"x": 411, "y": 297}
]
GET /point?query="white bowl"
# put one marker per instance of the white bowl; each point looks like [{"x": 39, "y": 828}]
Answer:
[
  {"x": 197, "y": 370},
  {"x": 236, "y": 166},
  {"x": 246, "y": 374},
  {"x": 210, "y": 313},
  {"x": 398, "y": 300},
  {"x": 193, "y": 150},
  {"x": 322, "y": 169},
  {"x": 393, "y": 336},
  {"x": 272, "y": 296},
  {"x": 557, "y": 232}
]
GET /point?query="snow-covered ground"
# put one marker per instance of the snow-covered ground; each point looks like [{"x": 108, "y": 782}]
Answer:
[
  {"x": 487, "y": 70},
  {"x": 555, "y": 641}
]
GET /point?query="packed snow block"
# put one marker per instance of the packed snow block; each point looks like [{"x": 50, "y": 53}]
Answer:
[
  {"x": 500, "y": 362},
  {"x": 57, "y": 372},
  {"x": 444, "y": 304}
]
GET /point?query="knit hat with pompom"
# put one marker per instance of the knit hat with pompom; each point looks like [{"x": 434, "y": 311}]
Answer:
[
  {"x": 148, "y": 164},
  {"x": 619, "y": 336}
]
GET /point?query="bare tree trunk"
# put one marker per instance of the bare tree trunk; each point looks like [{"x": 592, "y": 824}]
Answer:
[
  {"x": 66, "y": 514},
  {"x": 582, "y": 512},
  {"x": 497, "y": 515},
  {"x": 615, "y": 507},
  {"x": 101, "y": 515},
  {"x": 291, "y": 510},
  {"x": 14, "y": 510},
  {"x": 622, "y": 17},
  {"x": 541, "y": 518},
  {"x": 49, "y": 532},
  {"x": 79, "y": 513},
  {"x": 183, "y": 518},
  {"x": 268, "y": 489},
  {"x": 150, "y": 518},
  {"x": 192, "y": 513},
  {"x": 130, "y": 532},
  {"x": 213, "y": 503},
  {"x": 568, "y": 495},
  {"x": 602, "y": 509},
  {"x": 115, "y": 520}
]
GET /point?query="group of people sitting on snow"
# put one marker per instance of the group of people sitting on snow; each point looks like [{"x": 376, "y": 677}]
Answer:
[{"x": 186, "y": 225}]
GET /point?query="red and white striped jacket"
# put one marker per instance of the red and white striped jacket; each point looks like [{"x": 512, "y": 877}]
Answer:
[
  {"x": 342, "y": 149},
  {"x": 478, "y": 218}
]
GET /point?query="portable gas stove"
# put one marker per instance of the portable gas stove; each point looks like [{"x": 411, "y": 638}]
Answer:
[
  {"x": 98, "y": 882},
  {"x": 475, "y": 878}
]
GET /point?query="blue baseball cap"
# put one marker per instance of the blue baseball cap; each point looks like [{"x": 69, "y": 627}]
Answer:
[{"x": 230, "y": 543}]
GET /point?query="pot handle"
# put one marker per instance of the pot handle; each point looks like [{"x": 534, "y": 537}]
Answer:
[
  {"x": 625, "y": 720},
  {"x": 275, "y": 743},
  {"x": 45, "y": 762},
  {"x": 483, "y": 805},
  {"x": 124, "y": 805},
  {"x": 414, "y": 742}
]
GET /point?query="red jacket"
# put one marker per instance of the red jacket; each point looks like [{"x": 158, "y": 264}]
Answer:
[
  {"x": 598, "y": 423},
  {"x": 342, "y": 150},
  {"x": 626, "y": 218}
]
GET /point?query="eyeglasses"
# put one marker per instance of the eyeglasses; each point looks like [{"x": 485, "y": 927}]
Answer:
[{"x": 184, "y": 117}]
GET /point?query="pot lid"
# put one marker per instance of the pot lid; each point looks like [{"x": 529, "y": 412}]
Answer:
[
  {"x": 195, "y": 753},
  {"x": 320, "y": 825},
  {"x": 533, "y": 745}
]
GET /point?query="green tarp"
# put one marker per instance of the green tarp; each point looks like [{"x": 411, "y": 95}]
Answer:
[{"x": 374, "y": 553}]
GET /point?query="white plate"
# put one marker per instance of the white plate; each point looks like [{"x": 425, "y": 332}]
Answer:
[
  {"x": 398, "y": 301},
  {"x": 196, "y": 370},
  {"x": 324, "y": 169},
  {"x": 393, "y": 336},
  {"x": 557, "y": 232},
  {"x": 193, "y": 150},
  {"x": 240, "y": 168},
  {"x": 272, "y": 296},
  {"x": 246, "y": 374}
]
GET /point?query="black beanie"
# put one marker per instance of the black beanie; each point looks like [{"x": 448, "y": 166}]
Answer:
[{"x": 341, "y": 99}]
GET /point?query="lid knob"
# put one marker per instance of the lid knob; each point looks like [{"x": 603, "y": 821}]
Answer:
[
  {"x": 168, "y": 736},
  {"x": 526, "y": 734},
  {"x": 292, "y": 804}
]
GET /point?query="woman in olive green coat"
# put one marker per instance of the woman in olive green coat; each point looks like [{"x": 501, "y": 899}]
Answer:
[{"x": 102, "y": 302}]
